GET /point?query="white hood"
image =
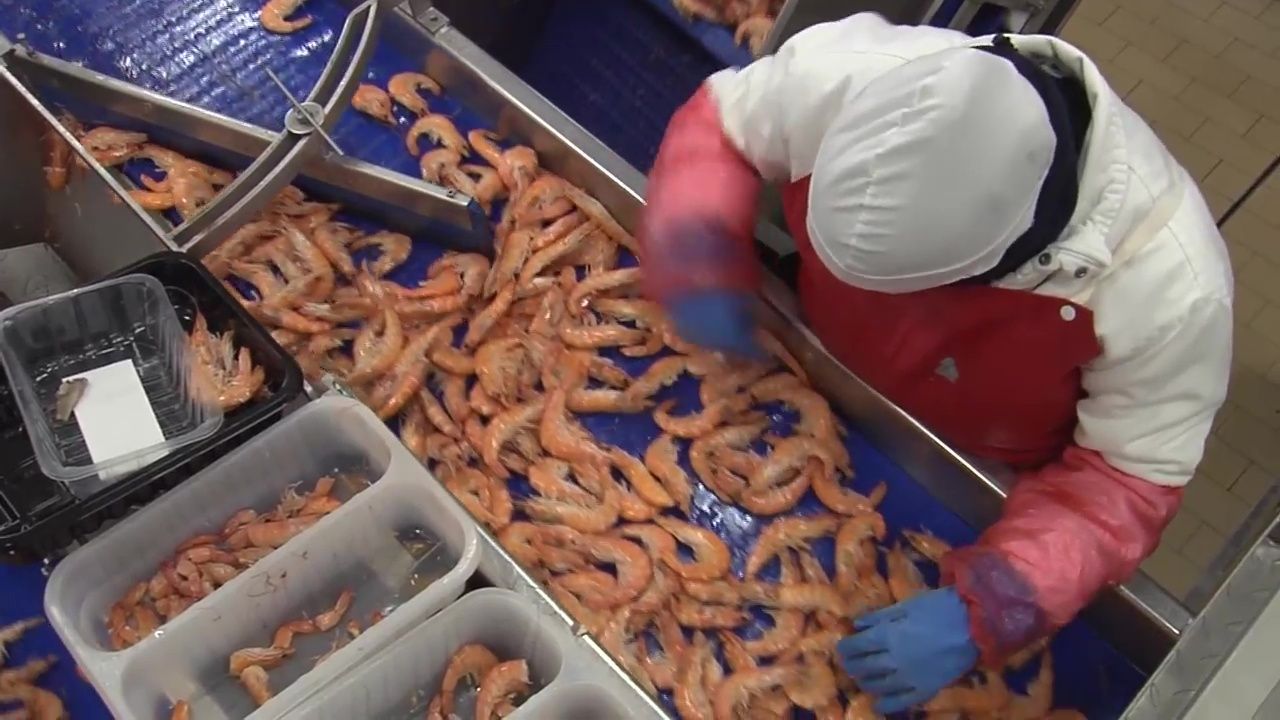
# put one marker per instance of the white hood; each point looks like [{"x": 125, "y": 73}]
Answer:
[{"x": 982, "y": 136}]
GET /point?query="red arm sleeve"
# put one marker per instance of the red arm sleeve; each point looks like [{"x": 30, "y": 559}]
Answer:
[
  {"x": 700, "y": 208},
  {"x": 1067, "y": 531}
]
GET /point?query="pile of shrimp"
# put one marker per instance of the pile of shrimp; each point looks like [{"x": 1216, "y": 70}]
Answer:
[
  {"x": 486, "y": 367},
  {"x": 752, "y": 20},
  {"x": 186, "y": 186},
  {"x": 18, "y": 684},
  {"x": 208, "y": 561},
  {"x": 223, "y": 376},
  {"x": 499, "y": 686},
  {"x": 505, "y": 170}
]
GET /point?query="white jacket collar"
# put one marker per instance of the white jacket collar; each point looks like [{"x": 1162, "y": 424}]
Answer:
[{"x": 1109, "y": 203}]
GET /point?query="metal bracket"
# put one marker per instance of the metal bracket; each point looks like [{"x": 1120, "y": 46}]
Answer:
[
  {"x": 254, "y": 188},
  {"x": 426, "y": 15}
]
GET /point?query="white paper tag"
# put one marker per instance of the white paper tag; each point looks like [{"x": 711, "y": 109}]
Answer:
[{"x": 116, "y": 418}]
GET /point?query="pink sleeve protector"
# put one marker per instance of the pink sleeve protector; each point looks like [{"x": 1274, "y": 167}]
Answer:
[
  {"x": 700, "y": 213},
  {"x": 1067, "y": 530}
]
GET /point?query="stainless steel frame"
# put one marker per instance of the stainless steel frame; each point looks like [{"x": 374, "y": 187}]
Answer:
[{"x": 1208, "y": 643}]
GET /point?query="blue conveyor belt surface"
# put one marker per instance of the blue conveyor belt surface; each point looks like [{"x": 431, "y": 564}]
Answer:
[{"x": 212, "y": 54}]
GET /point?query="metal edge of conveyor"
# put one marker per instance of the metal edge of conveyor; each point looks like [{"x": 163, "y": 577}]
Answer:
[
  {"x": 1206, "y": 647},
  {"x": 1139, "y": 618}
]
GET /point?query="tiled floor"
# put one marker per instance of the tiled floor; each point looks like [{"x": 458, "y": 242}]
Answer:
[{"x": 1206, "y": 75}]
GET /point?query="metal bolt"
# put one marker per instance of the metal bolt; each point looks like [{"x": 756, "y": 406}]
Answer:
[
  {"x": 1044, "y": 259},
  {"x": 1081, "y": 272}
]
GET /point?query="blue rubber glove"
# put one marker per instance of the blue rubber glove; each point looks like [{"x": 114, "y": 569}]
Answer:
[
  {"x": 905, "y": 653},
  {"x": 718, "y": 320}
]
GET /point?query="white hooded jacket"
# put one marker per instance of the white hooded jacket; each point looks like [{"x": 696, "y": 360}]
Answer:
[{"x": 1163, "y": 317}]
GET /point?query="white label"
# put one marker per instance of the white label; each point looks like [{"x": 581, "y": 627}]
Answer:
[{"x": 116, "y": 418}]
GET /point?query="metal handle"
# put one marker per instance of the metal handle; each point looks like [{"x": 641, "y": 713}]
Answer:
[{"x": 275, "y": 168}]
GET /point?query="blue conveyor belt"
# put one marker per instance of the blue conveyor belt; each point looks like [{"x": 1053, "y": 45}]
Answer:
[{"x": 212, "y": 54}]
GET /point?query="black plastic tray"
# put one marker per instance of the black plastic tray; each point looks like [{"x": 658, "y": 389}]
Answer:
[{"x": 40, "y": 518}]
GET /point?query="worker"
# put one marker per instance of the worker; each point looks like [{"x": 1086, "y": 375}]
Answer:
[{"x": 989, "y": 237}]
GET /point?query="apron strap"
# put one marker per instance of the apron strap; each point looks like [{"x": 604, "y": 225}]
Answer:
[{"x": 1141, "y": 235}]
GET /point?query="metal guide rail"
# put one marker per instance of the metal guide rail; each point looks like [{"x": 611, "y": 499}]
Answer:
[{"x": 1138, "y": 618}]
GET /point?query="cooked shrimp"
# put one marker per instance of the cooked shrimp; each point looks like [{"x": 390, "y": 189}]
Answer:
[
  {"x": 37, "y": 703},
  {"x": 690, "y": 695},
  {"x": 599, "y": 336},
  {"x": 563, "y": 438},
  {"x": 630, "y": 562},
  {"x": 737, "y": 690},
  {"x": 703, "y": 452},
  {"x": 332, "y": 239},
  {"x": 596, "y": 518},
  {"x": 409, "y": 372},
  {"x": 440, "y": 130},
  {"x": 377, "y": 347},
  {"x": 471, "y": 661},
  {"x": 512, "y": 254},
  {"x": 11, "y": 632},
  {"x": 266, "y": 658},
  {"x": 500, "y": 686},
  {"x": 754, "y": 31},
  {"x": 440, "y": 166},
  {"x": 549, "y": 477},
  {"x": 862, "y": 707},
  {"x": 488, "y": 184},
  {"x": 504, "y": 427},
  {"x": 28, "y": 672},
  {"x": 711, "y": 555},
  {"x": 437, "y": 415},
  {"x": 927, "y": 544},
  {"x": 557, "y": 230},
  {"x": 981, "y": 699},
  {"x": 536, "y": 545},
  {"x": 663, "y": 460},
  {"x": 855, "y": 548},
  {"x": 274, "y": 18},
  {"x": 798, "y": 596},
  {"x": 595, "y": 211},
  {"x": 785, "y": 533},
  {"x": 394, "y": 247},
  {"x": 57, "y": 159},
  {"x": 111, "y": 146},
  {"x": 1039, "y": 698},
  {"x": 255, "y": 681},
  {"x": 641, "y": 480},
  {"x": 664, "y": 372},
  {"x": 405, "y": 87},
  {"x": 695, "y": 424},
  {"x": 483, "y": 321},
  {"x": 694, "y": 614},
  {"x": 600, "y": 282},
  {"x": 790, "y": 456},
  {"x": 374, "y": 102},
  {"x": 545, "y": 257},
  {"x": 905, "y": 579},
  {"x": 155, "y": 201}
]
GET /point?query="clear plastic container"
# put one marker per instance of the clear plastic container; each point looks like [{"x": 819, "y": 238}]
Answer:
[
  {"x": 567, "y": 678},
  {"x": 401, "y": 545},
  {"x": 139, "y": 401}
]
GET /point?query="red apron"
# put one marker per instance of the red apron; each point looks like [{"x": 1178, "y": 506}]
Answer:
[{"x": 994, "y": 372}]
